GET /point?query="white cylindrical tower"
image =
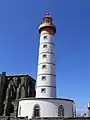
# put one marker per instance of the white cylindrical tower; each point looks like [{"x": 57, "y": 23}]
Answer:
[
  {"x": 46, "y": 75},
  {"x": 89, "y": 109}
]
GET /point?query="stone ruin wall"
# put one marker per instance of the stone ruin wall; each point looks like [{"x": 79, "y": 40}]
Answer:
[{"x": 13, "y": 88}]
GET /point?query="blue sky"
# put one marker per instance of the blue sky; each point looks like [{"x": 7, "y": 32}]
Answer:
[{"x": 19, "y": 41}]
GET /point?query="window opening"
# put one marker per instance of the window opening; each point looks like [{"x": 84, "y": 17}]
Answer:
[
  {"x": 43, "y": 66},
  {"x": 44, "y": 56},
  {"x": 36, "y": 111},
  {"x": 61, "y": 111},
  {"x": 45, "y": 37},
  {"x": 43, "y": 77},
  {"x": 43, "y": 90},
  {"x": 45, "y": 46}
]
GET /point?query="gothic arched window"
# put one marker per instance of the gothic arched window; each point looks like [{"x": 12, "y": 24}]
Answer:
[
  {"x": 29, "y": 88},
  {"x": 61, "y": 111},
  {"x": 36, "y": 111}
]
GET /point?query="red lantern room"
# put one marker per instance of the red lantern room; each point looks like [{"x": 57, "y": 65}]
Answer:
[{"x": 47, "y": 25}]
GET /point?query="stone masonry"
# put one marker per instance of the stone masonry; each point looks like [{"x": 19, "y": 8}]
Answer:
[{"x": 12, "y": 88}]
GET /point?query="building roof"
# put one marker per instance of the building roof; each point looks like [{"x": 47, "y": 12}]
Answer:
[
  {"x": 31, "y": 98},
  {"x": 21, "y": 75}
]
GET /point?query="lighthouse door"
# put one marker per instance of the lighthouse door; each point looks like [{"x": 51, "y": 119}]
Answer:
[{"x": 36, "y": 111}]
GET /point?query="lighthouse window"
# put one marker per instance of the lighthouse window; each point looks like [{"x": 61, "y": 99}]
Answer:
[
  {"x": 45, "y": 46},
  {"x": 43, "y": 90},
  {"x": 43, "y": 66},
  {"x": 61, "y": 111},
  {"x": 36, "y": 111},
  {"x": 47, "y": 20},
  {"x": 45, "y": 37},
  {"x": 43, "y": 77},
  {"x": 44, "y": 56}
]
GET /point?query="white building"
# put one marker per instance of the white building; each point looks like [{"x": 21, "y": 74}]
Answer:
[{"x": 46, "y": 104}]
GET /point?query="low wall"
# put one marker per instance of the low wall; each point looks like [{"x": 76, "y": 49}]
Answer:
[
  {"x": 53, "y": 118},
  {"x": 69, "y": 118},
  {"x": 12, "y": 118}
]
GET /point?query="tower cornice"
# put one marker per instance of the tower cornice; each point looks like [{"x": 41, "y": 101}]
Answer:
[{"x": 47, "y": 27}]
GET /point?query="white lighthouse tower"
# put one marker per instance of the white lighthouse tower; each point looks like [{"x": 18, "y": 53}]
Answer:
[
  {"x": 46, "y": 104},
  {"x": 46, "y": 76}
]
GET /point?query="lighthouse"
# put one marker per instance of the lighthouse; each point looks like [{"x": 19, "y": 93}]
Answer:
[
  {"x": 46, "y": 75},
  {"x": 46, "y": 104}
]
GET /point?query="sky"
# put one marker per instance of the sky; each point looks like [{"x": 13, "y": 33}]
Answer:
[{"x": 19, "y": 42}]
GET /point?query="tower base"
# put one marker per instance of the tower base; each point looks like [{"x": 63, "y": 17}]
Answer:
[{"x": 45, "y": 107}]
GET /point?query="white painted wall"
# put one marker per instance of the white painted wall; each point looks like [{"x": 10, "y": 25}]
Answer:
[
  {"x": 46, "y": 82},
  {"x": 50, "y": 58},
  {"x": 50, "y": 72},
  {"x": 50, "y": 48},
  {"x": 50, "y": 69},
  {"x": 50, "y": 38},
  {"x": 48, "y": 107},
  {"x": 50, "y": 91}
]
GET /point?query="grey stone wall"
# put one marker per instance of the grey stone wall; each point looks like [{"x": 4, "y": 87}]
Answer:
[
  {"x": 13, "y": 88},
  {"x": 53, "y": 118},
  {"x": 12, "y": 118}
]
